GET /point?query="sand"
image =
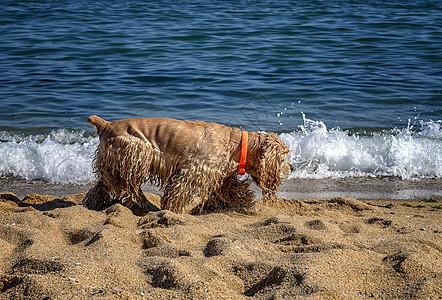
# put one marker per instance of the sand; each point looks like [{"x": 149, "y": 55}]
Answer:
[{"x": 340, "y": 248}]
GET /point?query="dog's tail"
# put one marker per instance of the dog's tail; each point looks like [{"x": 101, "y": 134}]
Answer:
[{"x": 98, "y": 123}]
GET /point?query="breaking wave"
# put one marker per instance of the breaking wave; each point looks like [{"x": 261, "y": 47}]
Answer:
[
  {"x": 61, "y": 156},
  {"x": 412, "y": 152},
  {"x": 65, "y": 156}
]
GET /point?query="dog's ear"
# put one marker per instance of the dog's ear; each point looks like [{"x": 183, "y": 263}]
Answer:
[
  {"x": 98, "y": 123},
  {"x": 271, "y": 161}
]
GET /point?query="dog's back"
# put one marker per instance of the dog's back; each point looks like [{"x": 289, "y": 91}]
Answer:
[{"x": 166, "y": 134}]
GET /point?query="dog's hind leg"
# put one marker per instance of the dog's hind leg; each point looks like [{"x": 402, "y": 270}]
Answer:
[
  {"x": 179, "y": 191},
  {"x": 98, "y": 197},
  {"x": 135, "y": 200},
  {"x": 107, "y": 192}
]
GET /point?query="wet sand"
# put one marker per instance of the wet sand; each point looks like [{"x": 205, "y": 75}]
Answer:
[{"x": 360, "y": 188}]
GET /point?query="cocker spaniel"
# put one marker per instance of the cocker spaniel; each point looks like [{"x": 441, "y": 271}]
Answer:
[{"x": 183, "y": 158}]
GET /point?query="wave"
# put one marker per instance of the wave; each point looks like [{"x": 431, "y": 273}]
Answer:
[
  {"x": 410, "y": 153},
  {"x": 62, "y": 156},
  {"x": 65, "y": 156}
]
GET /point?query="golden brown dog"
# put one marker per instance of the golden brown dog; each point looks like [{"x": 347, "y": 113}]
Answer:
[{"x": 183, "y": 158}]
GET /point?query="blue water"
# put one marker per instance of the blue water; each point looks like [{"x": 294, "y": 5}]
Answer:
[{"x": 354, "y": 85}]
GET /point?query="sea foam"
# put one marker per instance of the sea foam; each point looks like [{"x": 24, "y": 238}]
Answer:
[
  {"x": 61, "y": 156},
  {"x": 64, "y": 156},
  {"x": 318, "y": 152}
]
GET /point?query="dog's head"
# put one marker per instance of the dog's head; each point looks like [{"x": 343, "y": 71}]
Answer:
[{"x": 268, "y": 163}]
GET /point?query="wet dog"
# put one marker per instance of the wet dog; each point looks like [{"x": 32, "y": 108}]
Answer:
[{"x": 183, "y": 158}]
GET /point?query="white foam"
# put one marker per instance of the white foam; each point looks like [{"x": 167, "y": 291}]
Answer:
[
  {"x": 61, "y": 156},
  {"x": 317, "y": 152},
  {"x": 64, "y": 156}
]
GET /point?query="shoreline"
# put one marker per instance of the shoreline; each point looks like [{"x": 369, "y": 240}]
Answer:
[{"x": 387, "y": 188}]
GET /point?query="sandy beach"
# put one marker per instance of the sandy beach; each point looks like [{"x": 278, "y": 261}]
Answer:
[{"x": 51, "y": 247}]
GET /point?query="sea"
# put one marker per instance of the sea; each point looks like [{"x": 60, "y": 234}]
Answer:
[{"x": 353, "y": 87}]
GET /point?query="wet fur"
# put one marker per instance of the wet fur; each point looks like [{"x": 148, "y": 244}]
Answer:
[{"x": 182, "y": 158}]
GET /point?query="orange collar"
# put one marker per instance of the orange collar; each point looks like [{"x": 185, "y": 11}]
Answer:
[{"x": 242, "y": 161}]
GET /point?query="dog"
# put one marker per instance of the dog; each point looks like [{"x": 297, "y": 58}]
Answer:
[{"x": 182, "y": 158}]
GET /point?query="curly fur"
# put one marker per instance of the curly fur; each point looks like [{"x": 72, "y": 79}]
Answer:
[
  {"x": 183, "y": 158},
  {"x": 270, "y": 162},
  {"x": 233, "y": 193}
]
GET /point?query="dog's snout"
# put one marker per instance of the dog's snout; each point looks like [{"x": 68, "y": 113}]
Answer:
[
  {"x": 286, "y": 169},
  {"x": 292, "y": 168}
]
